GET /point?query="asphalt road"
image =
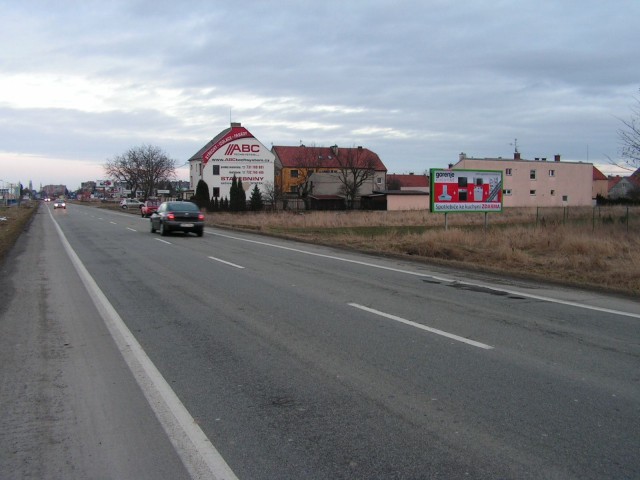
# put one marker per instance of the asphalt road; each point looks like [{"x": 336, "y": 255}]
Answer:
[{"x": 130, "y": 355}]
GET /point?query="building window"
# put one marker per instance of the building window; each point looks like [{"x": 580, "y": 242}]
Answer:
[
  {"x": 552, "y": 173},
  {"x": 532, "y": 193},
  {"x": 553, "y": 192},
  {"x": 565, "y": 198},
  {"x": 507, "y": 171},
  {"x": 379, "y": 180},
  {"x": 506, "y": 191},
  {"x": 216, "y": 192},
  {"x": 294, "y": 173},
  {"x": 216, "y": 169},
  {"x": 532, "y": 174},
  {"x": 294, "y": 189}
]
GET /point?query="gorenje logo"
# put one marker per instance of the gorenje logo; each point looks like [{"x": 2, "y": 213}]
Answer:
[{"x": 235, "y": 148}]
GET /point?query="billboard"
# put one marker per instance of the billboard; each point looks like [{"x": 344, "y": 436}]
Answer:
[
  {"x": 238, "y": 153},
  {"x": 466, "y": 190}
]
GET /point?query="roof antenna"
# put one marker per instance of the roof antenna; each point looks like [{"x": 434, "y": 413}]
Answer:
[{"x": 515, "y": 145}]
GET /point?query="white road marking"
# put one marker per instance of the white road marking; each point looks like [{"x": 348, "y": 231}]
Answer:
[
  {"x": 163, "y": 241},
  {"x": 423, "y": 327},
  {"x": 440, "y": 279},
  {"x": 226, "y": 263},
  {"x": 132, "y": 229},
  {"x": 113, "y": 223},
  {"x": 198, "y": 455}
]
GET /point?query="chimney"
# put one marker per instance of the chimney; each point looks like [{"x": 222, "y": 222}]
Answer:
[
  {"x": 462, "y": 156},
  {"x": 516, "y": 156},
  {"x": 334, "y": 149},
  {"x": 556, "y": 158},
  {"x": 235, "y": 124}
]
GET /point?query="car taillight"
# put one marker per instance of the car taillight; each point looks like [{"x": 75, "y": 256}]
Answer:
[
  {"x": 171, "y": 216},
  {"x": 201, "y": 216}
]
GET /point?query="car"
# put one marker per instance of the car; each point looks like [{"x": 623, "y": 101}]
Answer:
[
  {"x": 59, "y": 203},
  {"x": 126, "y": 203},
  {"x": 149, "y": 207},
  {"x": 177, "y": 217}
]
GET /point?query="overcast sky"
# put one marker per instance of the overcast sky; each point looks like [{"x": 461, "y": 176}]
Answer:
[{"x": 417, "y": 82}]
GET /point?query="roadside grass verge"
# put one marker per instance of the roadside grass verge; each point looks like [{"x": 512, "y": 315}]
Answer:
[
  {"x": 573, "y": 248},
  {"x": 17, "y": 219}
]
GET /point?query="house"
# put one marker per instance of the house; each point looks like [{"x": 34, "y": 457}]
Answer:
[
  {"x": 600, "y": 184},
  {"x": 321, "y": 171},
  {"x": 233, "y": 152},
  {"x": 624, "y": 187},
  {"x": 411, "y": 181},
  {"x": 538, "y": 182}
]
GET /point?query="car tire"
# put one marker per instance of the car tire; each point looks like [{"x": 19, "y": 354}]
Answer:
[
  {"x": 163, "y": 230},
  {"x": 199, "y": 232},
  {"x": 153, "y": 229}
]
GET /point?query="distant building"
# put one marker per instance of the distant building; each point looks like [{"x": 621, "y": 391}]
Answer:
[
  {"x": 538, "y": 183},
  {"x": 233, "y": 152}
]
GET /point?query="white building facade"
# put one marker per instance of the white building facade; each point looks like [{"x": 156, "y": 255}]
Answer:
[{"x": 233, "y": 152}]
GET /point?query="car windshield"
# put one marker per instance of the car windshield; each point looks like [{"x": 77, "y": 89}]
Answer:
[{"x": 182, "y": 207}]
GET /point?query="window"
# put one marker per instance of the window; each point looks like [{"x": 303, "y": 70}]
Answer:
[
  {"x": 532, "y": 193},
  {"x": 532, "y": 174},
  {"x": 507, "y": 171},
  {"x": 553, "y": 192},
  {"x": 552, "y": 173},
  {"x": 216, "y": 169},
  {"x": 379, "y": 180},
  {"x": 565, "y": 198},
  {"x": 294, "y": 173},
  {"x": 506, "y": 191},
  {"x": 294, "y": 189},
  {"x": 216, "y": 192}
]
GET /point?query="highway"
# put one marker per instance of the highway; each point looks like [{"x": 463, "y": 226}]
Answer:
[{"x": 129, "y": 355}]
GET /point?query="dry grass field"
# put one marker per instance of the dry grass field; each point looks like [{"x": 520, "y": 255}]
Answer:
[
  {"x": 597, "y": 249},
  {"x": 16, "y": 221}
]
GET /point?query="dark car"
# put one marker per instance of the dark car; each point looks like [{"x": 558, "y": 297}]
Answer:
[{"x": 177, "y": 217}]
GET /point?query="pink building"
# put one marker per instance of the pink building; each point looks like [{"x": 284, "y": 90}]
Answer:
[{"x": 538, "y": 183}]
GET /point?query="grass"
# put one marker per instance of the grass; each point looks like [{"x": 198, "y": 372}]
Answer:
[
  {"x": 17, "y": 219},
  {"x": 581, "y": 247}
]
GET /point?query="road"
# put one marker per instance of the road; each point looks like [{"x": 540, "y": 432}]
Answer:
[{"x": 130, "y": 355}]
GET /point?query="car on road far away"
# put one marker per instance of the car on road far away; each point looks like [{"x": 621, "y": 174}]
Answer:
[
  {"x": 126, "y": 203},
  {"x": 59, "y": 203},
  {"x": 177, "y": 217},
  {"x": 149, "y": 207}
]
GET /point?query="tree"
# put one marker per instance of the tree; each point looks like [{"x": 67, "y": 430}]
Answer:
[
  {"x": 201, "y": 198},
  {"x": 141, "y": 168},
  {"x": 356, "y": 167},
  {"x": 273, "y": 193},
  {"x": 629, "y": 136},
  {"x": 256, "y": 199},
  {"x": 242, "y": 197}
]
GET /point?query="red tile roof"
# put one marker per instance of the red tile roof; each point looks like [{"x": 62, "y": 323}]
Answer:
[
  {"x": 408, "y": 181},
  {"x": 325, "y": 157},
  {"x": 598, "y": 175}
]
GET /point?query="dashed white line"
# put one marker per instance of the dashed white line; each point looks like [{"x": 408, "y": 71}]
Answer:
[
  {"x": 226, "y": 263},
  {"x": 132, "y": 229},
  {"x": 423, "y": 327},
  {"x": 163, "y": 241}
]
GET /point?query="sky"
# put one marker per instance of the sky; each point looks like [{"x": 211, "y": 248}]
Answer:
[{"x": 417, "y": 82}]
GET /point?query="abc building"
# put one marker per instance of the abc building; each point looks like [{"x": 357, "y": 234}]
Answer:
[{"x": 234, "y": 151}]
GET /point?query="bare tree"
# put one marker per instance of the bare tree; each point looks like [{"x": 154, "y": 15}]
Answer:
[
  {"x": 141, "y": 168},
  {"x": 356, "y": 167},
  {"x": 629, "y": 136},
  {"x": 309, "y": 160},
  {"x": 272, "y": 194}
]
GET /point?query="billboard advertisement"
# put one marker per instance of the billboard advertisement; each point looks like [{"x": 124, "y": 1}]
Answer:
[
  {"x": 238, "y": 153},
  {"x": 466, "y": 190}
]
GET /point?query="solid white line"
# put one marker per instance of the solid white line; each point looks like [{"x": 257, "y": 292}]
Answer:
[
  {"x": 113, "y": 223},
  {"x": 133, "y": 230},
  {"x": 198, "y": 455},
  {"x": 163, "y": 241},
  {"x": 423, "y": 327},
  {"x": 225, "y": 262},
  {"x": 440, "y": 279}
]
